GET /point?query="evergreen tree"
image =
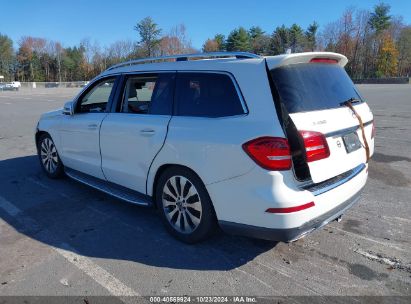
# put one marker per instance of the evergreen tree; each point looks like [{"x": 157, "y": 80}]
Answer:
[
  {"x": 149, "y": 35},
  {"x": 280, "y": 40},
  {"x": 310, "y": 36},
  {"x": 380, "y": 19},
  {"x": 6, "y": 57},
  {"x": 238, "y": 40}
]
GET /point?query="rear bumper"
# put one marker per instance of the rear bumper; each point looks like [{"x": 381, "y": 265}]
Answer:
[{"x": 290, "y": 234}]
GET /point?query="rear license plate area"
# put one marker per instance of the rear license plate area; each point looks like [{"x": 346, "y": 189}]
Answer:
[{"x": 351, "y": 142}]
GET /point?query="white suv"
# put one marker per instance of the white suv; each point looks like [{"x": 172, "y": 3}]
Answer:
[{"x": 267, "y": 147}]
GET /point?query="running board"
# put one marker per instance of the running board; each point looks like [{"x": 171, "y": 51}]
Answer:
[{"x": 112, "y": 189}]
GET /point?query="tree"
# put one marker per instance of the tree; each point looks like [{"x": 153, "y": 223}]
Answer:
[
  {"x": 220, "y": 39},
  {"x": 296, "y": 38},
  {"x": 404, "y": 49},
  {"x": 387, "y": 61},
  {"x": 280, "y": 40},
  {"x": 380, "y": 20},
  {"x": 310, "y": 36},
  {"x": 149, "y": 35},
  {"x": 238, "y": 40},
  {"x": 260, "y": 42},
  {"x": 176, "y": 42},
  {"x": 6, "y": 57},
  {"x": 210, "y": 46},
  {"x": 255, "y": 32}
]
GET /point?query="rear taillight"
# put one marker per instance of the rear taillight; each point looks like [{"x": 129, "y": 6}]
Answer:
[
  {"x": 324, "y": 60},
  {"x": 290, "y": 209},
  {"x": 271, "y": 153},
  {"x": 373, "y": 130},
  {"x": 316, "y": 146}
]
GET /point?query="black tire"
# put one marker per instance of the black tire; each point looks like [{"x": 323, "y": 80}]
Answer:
[
  {"x": 207, "y": 219},
  {"x": 50, "y": 161}
]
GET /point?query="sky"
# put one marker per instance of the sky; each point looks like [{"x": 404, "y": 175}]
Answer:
[{"x": 106, "y": 21}]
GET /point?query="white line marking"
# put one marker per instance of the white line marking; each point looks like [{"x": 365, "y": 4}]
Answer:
[
  {"x": 97, "y": 273},
  {"x": 113, "y": 285},
  {"x": 9, "y": 207},
  {"x": 369, "y": 239},
  {"x": 393, "y": 262}
]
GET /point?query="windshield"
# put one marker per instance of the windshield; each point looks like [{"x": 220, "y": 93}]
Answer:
[{"x": 313, "y": 86}]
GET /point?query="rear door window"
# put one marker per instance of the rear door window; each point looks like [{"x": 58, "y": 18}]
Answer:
[
  {"x": 313, "y": 86},
  {"x": 148, "y": 94},
  {"x": 207, "y": 95}
]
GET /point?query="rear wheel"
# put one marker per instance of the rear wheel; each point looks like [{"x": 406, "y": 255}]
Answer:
[
  {"x": 49, "y": 158},
  {"x": 185, "y": 205}
]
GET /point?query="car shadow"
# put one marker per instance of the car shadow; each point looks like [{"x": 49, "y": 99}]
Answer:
[{"x": 63, "y": 212}]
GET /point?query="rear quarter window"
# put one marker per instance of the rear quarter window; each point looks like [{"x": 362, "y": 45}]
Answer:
[{"x": 207, "y": 95}]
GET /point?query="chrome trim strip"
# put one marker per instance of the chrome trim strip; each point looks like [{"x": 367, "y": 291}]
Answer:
[
  {"x": 327, "y": 188},
  {"x": 104, "y": 190},
  {"x": 345, "y": 131},
  {"x": 184, "y": 57}
]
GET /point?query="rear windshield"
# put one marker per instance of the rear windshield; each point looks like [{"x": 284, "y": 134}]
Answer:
[{"x": 313, "y": 86}]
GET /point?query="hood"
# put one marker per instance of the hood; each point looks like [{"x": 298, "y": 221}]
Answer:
[{"x": 51, "y": 114}]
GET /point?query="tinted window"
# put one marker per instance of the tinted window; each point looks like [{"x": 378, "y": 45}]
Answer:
[
  {"x": 148, "y": 94},
  {"x": 313, "y": 86},
  {"x": 207, "y": 95},
  {"x": 96, "y": 99}
]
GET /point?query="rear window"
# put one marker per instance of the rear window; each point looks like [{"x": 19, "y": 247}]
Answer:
[
  {"x": 207, "y": 95},
  {"x": 313, "y": 86}
]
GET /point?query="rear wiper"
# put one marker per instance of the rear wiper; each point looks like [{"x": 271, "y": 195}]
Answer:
[{"x": 350, "y": 100}]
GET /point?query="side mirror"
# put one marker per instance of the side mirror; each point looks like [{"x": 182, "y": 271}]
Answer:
[{"x": 68, "y": 108}]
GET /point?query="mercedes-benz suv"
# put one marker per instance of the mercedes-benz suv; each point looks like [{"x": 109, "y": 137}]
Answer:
[{"x": 268, "y": 147}]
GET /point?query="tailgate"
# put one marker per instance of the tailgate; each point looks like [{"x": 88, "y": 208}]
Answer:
[
  {"x": 312, "y": 94},
  {"x": 337, "y": 125}
]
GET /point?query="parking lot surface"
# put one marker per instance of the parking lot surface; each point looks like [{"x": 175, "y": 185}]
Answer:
[{"x": 58, "y": 237}]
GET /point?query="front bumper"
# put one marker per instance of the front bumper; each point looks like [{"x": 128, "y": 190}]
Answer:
[{"x": 290, "y": 234}]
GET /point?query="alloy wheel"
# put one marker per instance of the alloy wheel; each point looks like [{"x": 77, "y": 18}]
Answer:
[
  {"x": 182, "y": 204},
  {"x": 48, "y": 154}
]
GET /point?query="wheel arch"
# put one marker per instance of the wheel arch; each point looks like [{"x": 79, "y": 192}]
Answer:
[{"x": 151, "y": 187}]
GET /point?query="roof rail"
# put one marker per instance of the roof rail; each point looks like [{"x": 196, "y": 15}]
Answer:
[{"x": 185, "y": 57}]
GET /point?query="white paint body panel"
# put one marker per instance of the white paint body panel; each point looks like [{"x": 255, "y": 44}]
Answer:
[
  {"x": 128, "y": 147},
  {"x": 80, "y": 142},
  {"x": 333, "y": 120}
]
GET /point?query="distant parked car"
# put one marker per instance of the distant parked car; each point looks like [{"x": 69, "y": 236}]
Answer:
[
  {"x": 85, "y": 83},
  {"x": 52, "y": 85},
  {"x": 14, "y": 85},
  {"x": 8, "y": 87}
]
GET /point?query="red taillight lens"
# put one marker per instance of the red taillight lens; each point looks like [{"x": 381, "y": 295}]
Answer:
[
  {"x": 290, "y": 209},
  {"x": 373, "y": 130},
  {"x": 324, "y": 60},
  {"x": 271, "y": 153},
  {"x": 316, "y": 146}
]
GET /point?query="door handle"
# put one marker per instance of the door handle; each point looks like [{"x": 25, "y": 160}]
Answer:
[
  {"x": 92, "y": 126},
  {"x": 147, "y": 132}
]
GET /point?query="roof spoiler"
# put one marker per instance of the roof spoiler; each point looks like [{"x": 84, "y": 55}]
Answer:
[{"x": 282, "y": 60}]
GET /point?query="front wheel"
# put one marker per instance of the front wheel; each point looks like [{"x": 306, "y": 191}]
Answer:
[
  {"x": 49, "y": 158},
  {"x": 185, "y": 205}
]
